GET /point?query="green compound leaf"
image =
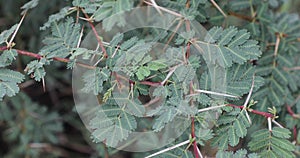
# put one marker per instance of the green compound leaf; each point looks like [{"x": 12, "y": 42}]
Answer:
[
  {"x": 94, "y": 80},
  {"x": 7, "y": 57},
  {"x": 238, "y": 154},
  {"x": 37, "y": 116},
  {"x": 167, "y": 114},
  {"x": 234, "y": 125},
  {"x": 55, "y": 17},
  {"x": 7, "y": 33},
  {"x": 225, "y": 47},
  {"x": 133, "y": 106},
  {"x": 29, "y": 5},
  {"x": 8, "y": 82},
  {"x": 185, "y": 74},
  {"x": 109, "y": 8},
  {"x": 112, "y": 125},
  {"x": 269, "y": 144},
  {"x": 65, "y": 36},
  {"x": 36, "y": 68},
  {"x": 237, "y": 82}
]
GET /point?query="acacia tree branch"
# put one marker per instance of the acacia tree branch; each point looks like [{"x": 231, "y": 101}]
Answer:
[
  {"x": 187, "y": 55},
  {"x": 265, "y": 114},
  {"x": 38, "y": 56}
]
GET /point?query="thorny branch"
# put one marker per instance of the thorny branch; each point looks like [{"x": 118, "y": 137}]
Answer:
[{"x": 38, "y": 56}]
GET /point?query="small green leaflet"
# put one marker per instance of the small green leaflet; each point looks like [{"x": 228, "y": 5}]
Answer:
[
  {"x": 8, "y": 82},
  {"x": 145, "y": 71},
  {"x": 64, "y": 38}
]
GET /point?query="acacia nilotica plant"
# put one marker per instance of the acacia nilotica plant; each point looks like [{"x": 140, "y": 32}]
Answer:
[{"x": 255, "y": 46}]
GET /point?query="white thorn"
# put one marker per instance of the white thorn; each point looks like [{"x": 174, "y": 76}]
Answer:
[
  {"x": 210, "y": 108},
  {"x": 276, "y": 123},
  {"x": 269, "y": 124},
  {"x": 215, "y": 93},
  {"x": 169, "y": 148}
]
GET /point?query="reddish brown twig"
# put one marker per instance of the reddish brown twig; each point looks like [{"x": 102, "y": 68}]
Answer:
[
  {"x": 95, "y": 33},
  {"x": 290, "y": 111},
  {"x": 240, "y": 16},
  {"x": 38, "y": 56},
  {"x": 265, "y": 114},
  {"x": 187, "y": 55}
]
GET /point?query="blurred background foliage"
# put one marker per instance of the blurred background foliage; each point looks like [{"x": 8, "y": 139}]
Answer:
[
  {"x": 45, "y": 124},
  {"x": 36, "y": 123}
]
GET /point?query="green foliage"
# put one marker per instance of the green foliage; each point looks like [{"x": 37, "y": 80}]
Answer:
[
  {"x": 249, "y": 53},
  {"x": 110, "y": 8},
  {"x": 65, "y": 37},
  {"x": 94, "y": 80},
  {"x": 7, "y": 33},
  {"x": 231, "y": 127},
  {"x": 178, "y": 152},
  {"x": 55, "y": 17},
  {"x": 7, "y": 57},
  {"x": 238, "y": 154},
  {"x": 112, "y": 124},
  {"x": 36, "y": 69},
  {"x": 29, "y": 5},
  {"x": 272, "y": 143},
  {"x": 28, "y": 123},
  {"x": 229, "y": 46},
  {"x": 8, "y": 82}
]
